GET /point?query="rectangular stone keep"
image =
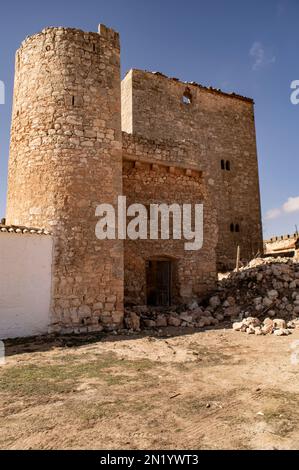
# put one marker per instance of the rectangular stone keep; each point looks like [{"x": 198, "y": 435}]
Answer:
[{"x": 211, "y": 131}]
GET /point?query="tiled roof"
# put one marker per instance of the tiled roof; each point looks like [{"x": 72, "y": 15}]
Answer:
[{"x": 22, "y": 229}]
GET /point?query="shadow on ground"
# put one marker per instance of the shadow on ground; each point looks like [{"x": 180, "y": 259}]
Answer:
[{"x": 49, "y": 342}]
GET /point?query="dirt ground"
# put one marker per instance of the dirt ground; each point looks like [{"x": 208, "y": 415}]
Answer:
[{"x": 214, "y": 389}]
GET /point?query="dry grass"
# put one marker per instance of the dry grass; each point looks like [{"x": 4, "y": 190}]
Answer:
[{"x": 213, "y": 389}]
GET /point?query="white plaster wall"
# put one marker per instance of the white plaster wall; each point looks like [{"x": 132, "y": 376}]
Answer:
[{"x": 25, "y": 284}]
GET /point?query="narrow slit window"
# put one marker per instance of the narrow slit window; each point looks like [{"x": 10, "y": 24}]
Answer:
[
  {"x": 227, "y": 165},
  {"x": 232, "y": 227},
  {"x": 222, "y": 165},
  {"x": 73, "y": 100},
  {"x": 237, "y": 228}
]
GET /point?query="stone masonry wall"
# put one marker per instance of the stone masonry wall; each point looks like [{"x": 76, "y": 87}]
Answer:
[
  {"x": 65, "y": 159},
  {"x": 147, "y": 182},
  {"x": 213, "y": 129}
]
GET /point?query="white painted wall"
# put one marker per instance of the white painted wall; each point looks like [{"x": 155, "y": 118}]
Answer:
[{"x": 25, "y": 284}]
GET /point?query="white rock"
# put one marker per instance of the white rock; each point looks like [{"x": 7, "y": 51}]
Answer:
[
  {"x": 250, "y": 330},
  {"x": 282, "y": 332},
  {"x": 251, "y": 321},
  {"x": 278, "y": 323},
  {"x": 267, "y": 329},
  {"x": 237, "y": 326}
]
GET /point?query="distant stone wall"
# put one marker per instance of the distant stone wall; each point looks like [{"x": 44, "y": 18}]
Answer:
[
  {"x": 215, "y": 133},
  {"x": 65, "y": 159},
  {"x": 25, "y": 284},
  {"x": 194, "y": 272},
  {"x": 281, "y": 243}
]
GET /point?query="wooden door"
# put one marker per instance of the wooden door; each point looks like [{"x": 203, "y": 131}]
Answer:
[{"x": 158, "y": 280}]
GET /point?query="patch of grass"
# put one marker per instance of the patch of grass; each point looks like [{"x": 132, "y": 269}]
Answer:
[
  {"x": 208, "y": 356},
  {"x": 281, "y": 419},
  {"x": 282, "y": 414},
  {"x": 89, "y": 413},
  {"x": 35, "y": 380},
  {"x": 31, "y": 379}
]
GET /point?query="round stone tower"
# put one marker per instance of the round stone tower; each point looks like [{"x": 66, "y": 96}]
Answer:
[{"x": 65, "y": 159}]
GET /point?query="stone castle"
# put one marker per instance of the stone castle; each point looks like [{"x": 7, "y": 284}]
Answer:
[{"x": 80, "y": 136}]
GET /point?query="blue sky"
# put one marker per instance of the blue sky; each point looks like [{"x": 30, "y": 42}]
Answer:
[{"x": 247, "y": 47}]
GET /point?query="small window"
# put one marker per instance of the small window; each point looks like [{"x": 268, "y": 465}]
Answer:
[
  {"x": 94, "y": 47},
  {"x": 73, "y": 100},
  {"x": 227, "y": 165},
  {"x": 187, "y": 97},
  {"x": 232, "y": 227},
  {"x": 222, "y": 165},
  {"x": 237, "y": 228}
]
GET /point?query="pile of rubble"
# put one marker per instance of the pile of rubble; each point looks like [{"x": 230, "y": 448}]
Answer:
[
  {"x": 265, "y": 290},
  {"x": 253, "y": 326},
  {"x": 137, "y": 318}
]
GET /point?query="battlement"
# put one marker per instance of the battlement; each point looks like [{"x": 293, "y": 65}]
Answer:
[
  {"x": 105, "y": 33},
  {"x": 292, "y": 236},
  {"x": 108, "y": 33}
]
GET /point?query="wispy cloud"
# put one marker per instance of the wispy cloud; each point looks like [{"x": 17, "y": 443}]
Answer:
[
  {"x": 273, "y": 214},
  {"x": 291, "y": 205},
  {"x": 259, "y": 56}
]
